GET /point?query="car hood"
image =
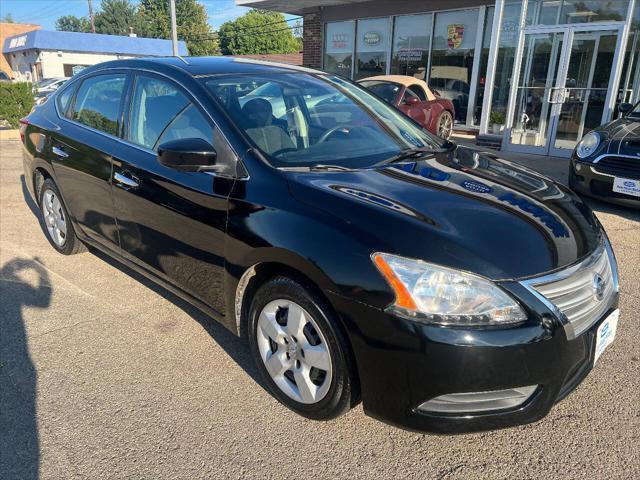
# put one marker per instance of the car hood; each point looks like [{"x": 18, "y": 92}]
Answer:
[
  {"x": 622, "y": 136},
  {"x": 464, "y": 209}
]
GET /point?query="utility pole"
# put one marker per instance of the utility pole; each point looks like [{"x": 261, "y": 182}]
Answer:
[
  {"x": 93, "y": 25},
  {"x": 174, "y": 28}
]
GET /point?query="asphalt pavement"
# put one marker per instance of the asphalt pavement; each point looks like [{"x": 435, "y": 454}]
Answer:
[{"x": 104, "y": 375}]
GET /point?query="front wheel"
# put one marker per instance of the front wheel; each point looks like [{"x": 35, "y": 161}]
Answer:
[
  {"x": 300, "y": 350},
  {"x": 445, "y": 125}
]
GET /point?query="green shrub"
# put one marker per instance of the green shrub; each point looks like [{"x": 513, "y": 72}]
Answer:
[
  {"x": 496, "y": 117},
  {"x": 16, "y": 101}
]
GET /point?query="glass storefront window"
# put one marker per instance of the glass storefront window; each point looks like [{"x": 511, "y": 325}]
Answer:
[
  {"x": 484, "y": 60},
  {"x": 411, "y": 43},
  {"x": 454, "y": 39},
  {"x": 372, "y": 47},
  {"x": 338, "y": 47},
  {"x": 554, "y": 12}
]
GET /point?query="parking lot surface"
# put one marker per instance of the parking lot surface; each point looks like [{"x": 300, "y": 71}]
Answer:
[{"x": 104, "y": 375}]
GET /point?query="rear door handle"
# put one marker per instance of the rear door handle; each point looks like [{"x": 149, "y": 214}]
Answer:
[
  {"x": 59, "y": 152},
  {"x": 125, "y": 181}
]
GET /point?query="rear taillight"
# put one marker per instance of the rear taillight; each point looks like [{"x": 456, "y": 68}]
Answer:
[{"x": 23, "y": 128}]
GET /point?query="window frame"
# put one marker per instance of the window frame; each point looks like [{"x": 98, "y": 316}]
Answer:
[
  {"x": 78, "y": 84},
  {"x": 126, "y": 123}
]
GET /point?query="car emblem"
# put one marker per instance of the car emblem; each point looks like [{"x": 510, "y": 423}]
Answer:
[{"x": 598, "y": 286}]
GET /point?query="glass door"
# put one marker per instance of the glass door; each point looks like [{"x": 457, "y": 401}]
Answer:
[{"x": 562, "y": 90}]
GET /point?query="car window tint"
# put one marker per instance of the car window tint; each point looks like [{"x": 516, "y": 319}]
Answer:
[
  {"x": 160, "y": 112},
  {"x": 418, "y": 91},
  {"x": 64, "y": 98},
  {"x": 98, "y": 102},
  {"x": 408, "y": 93}
]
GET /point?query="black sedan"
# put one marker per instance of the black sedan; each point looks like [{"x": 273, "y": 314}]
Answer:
[
  {"x": 361, "y": 257},
  {"x": 606, "y": 162}
]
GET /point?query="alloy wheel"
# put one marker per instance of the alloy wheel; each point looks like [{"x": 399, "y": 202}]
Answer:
[
  {"x": 294, "y": 351},
  {"x": 445, "y": 126},
  {"x": 54, "y": 217}
]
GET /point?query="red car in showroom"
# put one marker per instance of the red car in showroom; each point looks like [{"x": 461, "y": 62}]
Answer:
[{"x": 414, "y": 97}]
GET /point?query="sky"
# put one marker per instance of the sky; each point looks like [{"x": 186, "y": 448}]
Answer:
[{"x": 45, "y": 12}]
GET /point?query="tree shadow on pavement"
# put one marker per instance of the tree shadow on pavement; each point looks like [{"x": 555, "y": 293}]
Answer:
[{"x": 19, "y": 446}]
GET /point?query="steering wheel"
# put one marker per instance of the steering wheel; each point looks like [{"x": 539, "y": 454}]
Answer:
[
  {"x": 331, "y": 131},
  {"x": 282, "y": 150}
]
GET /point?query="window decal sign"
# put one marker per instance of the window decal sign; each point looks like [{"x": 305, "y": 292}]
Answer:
[
  {"x": 372, "y": 38},
  {"x": 455, "y": 35}
]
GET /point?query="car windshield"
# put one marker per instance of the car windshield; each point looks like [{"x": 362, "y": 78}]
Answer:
[
  {"x": 385, "y": 90},
  {"x": 309, "y": 119}
]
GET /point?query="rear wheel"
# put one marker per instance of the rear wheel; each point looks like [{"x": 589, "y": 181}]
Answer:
[
  {"x": 445, "y": 125},
  {"x": 57, "y": 225},
  {"x": 300, "y": 350}
]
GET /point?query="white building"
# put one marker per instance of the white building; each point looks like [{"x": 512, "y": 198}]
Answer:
[{"x": 44, "y": 54}]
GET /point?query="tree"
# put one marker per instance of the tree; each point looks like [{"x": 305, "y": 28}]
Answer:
[
  {"x": 8, "y": 18},
  {"x": 191, "y": 19},
  {"x": 71, "y": 23},
  {"x": 115, "y": 17},
  {"x": 258, "y": 31}
]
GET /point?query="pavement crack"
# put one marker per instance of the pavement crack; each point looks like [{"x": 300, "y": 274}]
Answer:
[{"x": 66, "y": 327}]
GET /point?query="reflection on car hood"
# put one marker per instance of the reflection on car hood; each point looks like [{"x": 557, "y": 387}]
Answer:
[
  {"x": 621, "y": 134},
  {"x": 467, "y": 210}
]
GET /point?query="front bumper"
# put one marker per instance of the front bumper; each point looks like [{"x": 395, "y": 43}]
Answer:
[
  {"x": 590, "y": 182},
  {"x": 402, "y": 364}
]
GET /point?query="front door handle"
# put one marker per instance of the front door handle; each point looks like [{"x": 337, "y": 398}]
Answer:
[
  {"x": 59, "y": 152},
  {"x": 125, "y": 181}
]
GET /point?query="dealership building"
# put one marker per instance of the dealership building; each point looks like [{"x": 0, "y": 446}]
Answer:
[
  {"x": 533, "y": 75},
  {"x": 39, "y": 54}
]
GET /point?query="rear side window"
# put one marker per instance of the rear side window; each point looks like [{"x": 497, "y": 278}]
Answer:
[
  {"x": 64, "y": 98},
  {"x": 98, "y": 102},
  {"x": 160, "y": 113},
  {"x": 418, "y": 91}
]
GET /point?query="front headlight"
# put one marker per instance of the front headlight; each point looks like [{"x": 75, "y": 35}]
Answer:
[
  {"x": 445, "y": 296},
  {"x": 588, "y": 144}
]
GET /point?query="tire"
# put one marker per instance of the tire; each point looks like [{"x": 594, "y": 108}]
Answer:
[
  {"x": 328, "y": 377},
  {"x": 445, "y": 125},
  {"x": 56, "y": 223}
]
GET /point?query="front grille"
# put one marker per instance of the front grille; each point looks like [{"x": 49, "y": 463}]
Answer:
[
  {"x": 627, "y": 167},
  {"x": 574, "y": 292}
]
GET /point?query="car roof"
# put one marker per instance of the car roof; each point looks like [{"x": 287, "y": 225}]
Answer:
[
  {"x": 405, "y": 80},
  {"x": 203, "y": 66}
]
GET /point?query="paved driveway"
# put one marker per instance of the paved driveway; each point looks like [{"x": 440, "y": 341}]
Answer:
[{"x": 103, "y": 375}]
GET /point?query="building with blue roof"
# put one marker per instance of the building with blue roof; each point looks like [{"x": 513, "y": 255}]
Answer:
[{"x": 42, "y": 54}]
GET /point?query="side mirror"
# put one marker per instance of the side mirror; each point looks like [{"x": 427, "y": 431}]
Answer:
[
  {"x": 188, "y": 155},
  {"x": 625, "y": 108},
  {"x": 411, "y": 101}
]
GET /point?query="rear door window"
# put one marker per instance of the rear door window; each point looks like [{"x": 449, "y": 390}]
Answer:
[
  {"x": 160, "y": 113},
  {"x": 98, "y": 100}
]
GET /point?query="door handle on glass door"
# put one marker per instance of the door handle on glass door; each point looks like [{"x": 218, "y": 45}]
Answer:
[{"x": 124, "y": 180}]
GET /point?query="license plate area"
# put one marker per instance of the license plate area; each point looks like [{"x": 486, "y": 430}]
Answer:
[
  {"x": 626, "y": 186},
  {"x": 606, "y": 333}
]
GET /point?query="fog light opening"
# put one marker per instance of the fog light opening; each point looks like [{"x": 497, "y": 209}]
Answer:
[
  {"x": 476, "y": 402},
  {"x": 578, "y": 167}
]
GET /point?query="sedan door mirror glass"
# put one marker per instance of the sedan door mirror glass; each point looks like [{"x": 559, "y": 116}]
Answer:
[{"x": 188, "y": 155}]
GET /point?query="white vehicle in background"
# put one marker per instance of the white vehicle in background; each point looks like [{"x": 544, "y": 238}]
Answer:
[{"x": 47, "y": 86}]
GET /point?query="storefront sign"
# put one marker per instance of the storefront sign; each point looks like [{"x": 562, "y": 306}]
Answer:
[
  {"x": 509, "y": 33},
  {"x": 372, "y": 38},
  {"x": 410, "y": 53},
  {"x": 339, "y": 41},
  {"x": 18, "y": 41},
  {"x": 455, "y": 35}
]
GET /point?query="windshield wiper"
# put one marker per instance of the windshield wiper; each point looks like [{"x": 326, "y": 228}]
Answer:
[{"x": 418, "y": 152}]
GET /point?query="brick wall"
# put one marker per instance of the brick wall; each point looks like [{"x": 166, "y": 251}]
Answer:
[
  {"x": 9, "y": 30},
  {"x": 312, "y": 41}
]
